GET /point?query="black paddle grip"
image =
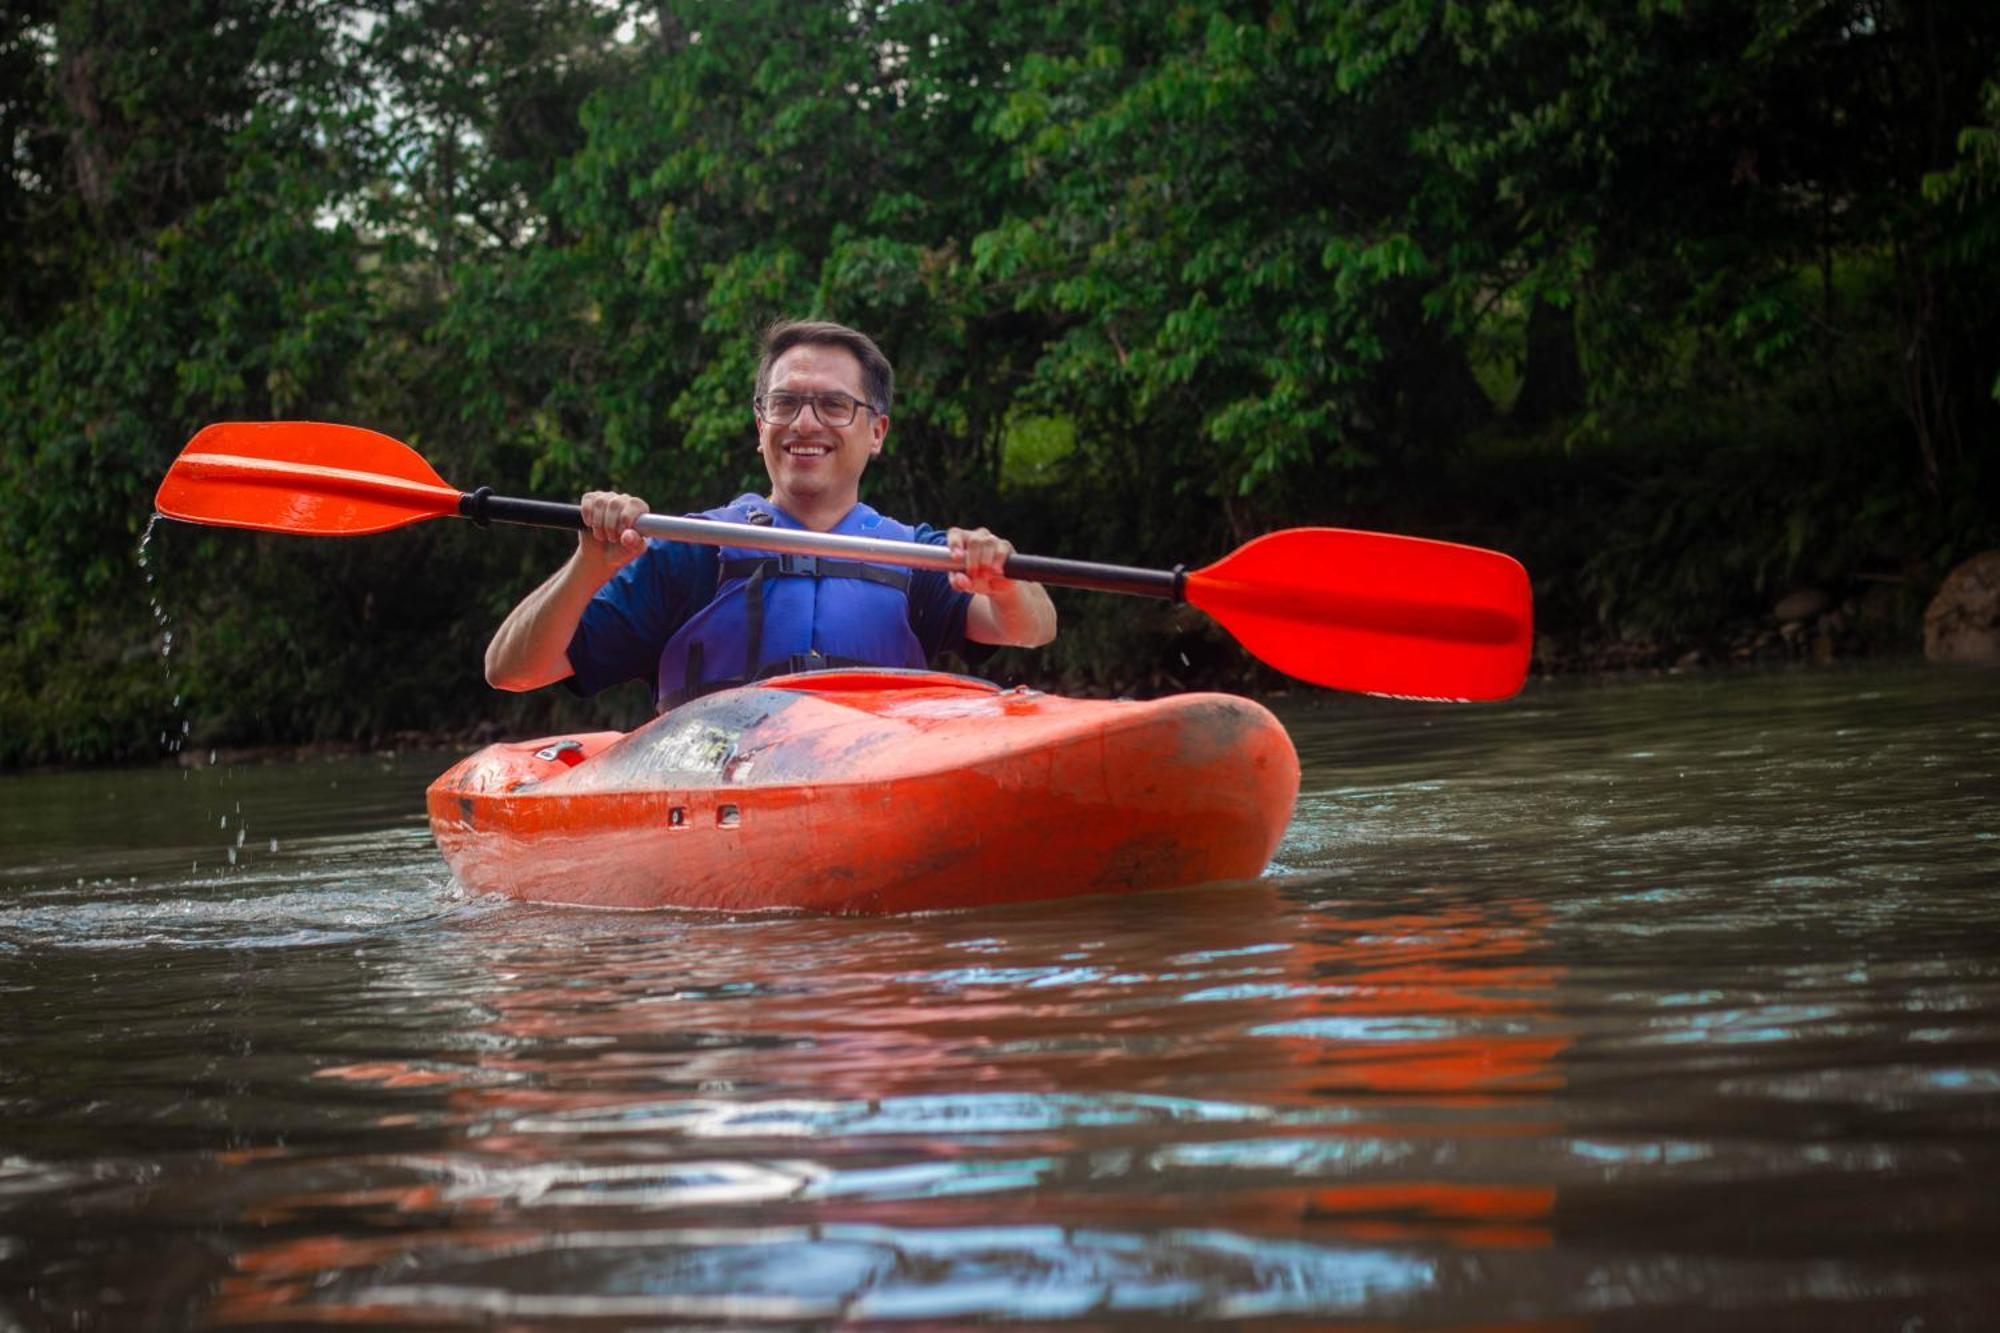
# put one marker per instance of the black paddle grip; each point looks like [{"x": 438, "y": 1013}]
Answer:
[
  {"x": 1165, "y": 583},
  {"x": 483, "y": 507}
]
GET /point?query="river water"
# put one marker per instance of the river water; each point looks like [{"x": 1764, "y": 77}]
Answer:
[{"x": 1629, "y": 1005}]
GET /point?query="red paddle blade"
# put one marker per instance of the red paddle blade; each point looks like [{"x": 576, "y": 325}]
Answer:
[
  {"x": 1376, "y": 613},
  {"x": 308, "y": 477}
]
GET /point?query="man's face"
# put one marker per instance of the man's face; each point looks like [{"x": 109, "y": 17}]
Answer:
[{"x": 810, "y": 462}]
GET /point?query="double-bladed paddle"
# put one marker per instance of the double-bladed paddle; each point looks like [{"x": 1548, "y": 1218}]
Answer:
[{"x": 1349, "y": 610}]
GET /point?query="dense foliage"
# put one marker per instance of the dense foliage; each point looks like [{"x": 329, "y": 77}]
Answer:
[{"x": 1686, "y": 303}]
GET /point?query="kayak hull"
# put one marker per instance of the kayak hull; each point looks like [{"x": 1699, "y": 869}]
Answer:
[{"x": 874, "y": 792}]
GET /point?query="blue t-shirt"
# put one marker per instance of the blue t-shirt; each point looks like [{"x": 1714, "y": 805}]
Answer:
[{"x": 629, "y": 620}]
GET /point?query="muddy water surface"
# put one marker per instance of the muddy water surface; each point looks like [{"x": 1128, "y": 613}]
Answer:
[{"x": 1621, "y": 1006}]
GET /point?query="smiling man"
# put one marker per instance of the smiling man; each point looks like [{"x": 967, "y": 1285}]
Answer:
[{"x": 692, "y": 619}]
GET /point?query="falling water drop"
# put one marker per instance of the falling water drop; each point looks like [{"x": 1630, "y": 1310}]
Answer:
[{"x": 172, "y": 739}]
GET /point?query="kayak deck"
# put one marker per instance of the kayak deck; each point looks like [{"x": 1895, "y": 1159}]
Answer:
[{"x": 874, "y": 791}]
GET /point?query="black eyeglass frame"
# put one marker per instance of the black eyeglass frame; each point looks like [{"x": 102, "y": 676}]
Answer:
[{"x": 761, "y": 405}]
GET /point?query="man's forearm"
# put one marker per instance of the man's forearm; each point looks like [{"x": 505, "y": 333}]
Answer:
[
  {"x": 531, "y": 647},
  {"x": 1021, "y": 617}
]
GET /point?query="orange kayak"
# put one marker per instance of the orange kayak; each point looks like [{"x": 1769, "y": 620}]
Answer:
[{"x": 874, "y": 791}]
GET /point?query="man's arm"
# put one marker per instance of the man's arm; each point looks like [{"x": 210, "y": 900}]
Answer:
[
  {"x": 531, "y": 647},
  {"x": 1004, "y": 611}
]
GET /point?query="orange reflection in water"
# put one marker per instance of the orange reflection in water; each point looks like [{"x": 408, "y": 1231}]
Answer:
[
  {"x": 1222, "y": 1060},
  {"x": 1442, "y": 1004}
]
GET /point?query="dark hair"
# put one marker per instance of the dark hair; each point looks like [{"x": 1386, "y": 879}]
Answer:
[{"x": 878, "y": 377}]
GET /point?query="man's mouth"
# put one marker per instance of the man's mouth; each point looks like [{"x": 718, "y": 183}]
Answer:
[{"x": 798, "y": 450}]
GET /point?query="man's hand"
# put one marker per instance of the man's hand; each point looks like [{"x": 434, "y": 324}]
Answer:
[
  {"x": 984, "y": 558},
  {"x": 531, "y": 647},
  {"x": 609, "y": 541},
  {"x": 1003, "y": 610}
]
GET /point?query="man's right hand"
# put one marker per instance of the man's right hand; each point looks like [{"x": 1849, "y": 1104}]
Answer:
[
  {"x": 531, "y": 647},
  {"x": 608, "y": 540}
]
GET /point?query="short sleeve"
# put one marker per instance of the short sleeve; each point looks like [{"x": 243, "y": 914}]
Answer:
[
  {"x": 630, "y": 619},
  {"x": 937, "y": 610}
]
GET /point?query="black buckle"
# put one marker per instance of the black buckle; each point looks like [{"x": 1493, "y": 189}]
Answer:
[{"x": 799, "y": 564}]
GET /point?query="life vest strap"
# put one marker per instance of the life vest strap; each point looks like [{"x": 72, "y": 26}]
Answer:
[{"x": 817, "y": 567}]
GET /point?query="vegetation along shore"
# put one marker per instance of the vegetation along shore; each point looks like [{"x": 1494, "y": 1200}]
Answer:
[{"x": 1690, "y": 307}]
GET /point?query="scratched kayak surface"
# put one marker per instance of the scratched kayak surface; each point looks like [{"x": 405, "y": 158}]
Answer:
[
  {"x": 1626, "y": 1005},
  {"x": 868, "y": 792}
]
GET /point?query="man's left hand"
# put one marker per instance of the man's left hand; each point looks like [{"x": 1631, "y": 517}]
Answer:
[{"x": 984, "y": 558}]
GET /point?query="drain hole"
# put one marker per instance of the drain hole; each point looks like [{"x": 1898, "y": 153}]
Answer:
[
  {"x": 727, "y": 816},
  {"x": 677, "y": 816}
]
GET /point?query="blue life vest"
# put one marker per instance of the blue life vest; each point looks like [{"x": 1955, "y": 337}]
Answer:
[{"x": 773, "y": 614}]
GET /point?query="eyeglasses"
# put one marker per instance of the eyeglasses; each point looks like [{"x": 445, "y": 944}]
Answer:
[{"x": 832, "y": 409}]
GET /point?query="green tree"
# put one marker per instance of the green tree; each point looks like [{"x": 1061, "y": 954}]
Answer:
[
  {"x": 231, "y": 213},
  {"x": 1682, "y": 300}
]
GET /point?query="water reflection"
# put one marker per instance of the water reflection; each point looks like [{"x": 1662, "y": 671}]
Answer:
[
  {"x": 982, "y": 1115},
  {"x": 847, "y": 1271},
  {"x": 1617, "y": 1006}
]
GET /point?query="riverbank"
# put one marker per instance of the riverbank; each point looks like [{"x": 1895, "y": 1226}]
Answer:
[
  {"x": 1793, "y": 643},
  {"x": 1807, "y": 625}
]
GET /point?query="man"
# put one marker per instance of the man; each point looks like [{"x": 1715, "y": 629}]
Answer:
[{"x": 692, "y": 619}]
